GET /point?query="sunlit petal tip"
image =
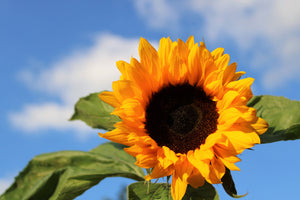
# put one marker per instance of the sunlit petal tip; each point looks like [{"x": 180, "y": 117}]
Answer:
[
  {"x": 143, "y": 42},
  {"x": 101, "y": 134},
  {"x": 229, "y": 73},
  {"x": 178, "y": 188},
  {"x": 146, "y": 48},
  {"x": 238, "y": 75},
  {"x": 249, "y": 81},
  {"x": 217, "y": 53},
  {"x": 190, "y": 42}
]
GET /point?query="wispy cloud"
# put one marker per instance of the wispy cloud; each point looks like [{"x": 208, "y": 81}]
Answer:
[
  {"x": 34, "y": 118},
  {"x": 268, "y": 30},
  {"x": 81, "y": 72},
  {"x": 157, "y": 13}
]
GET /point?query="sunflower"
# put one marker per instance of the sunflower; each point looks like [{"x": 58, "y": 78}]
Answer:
[{"x": 184, "y": 112}]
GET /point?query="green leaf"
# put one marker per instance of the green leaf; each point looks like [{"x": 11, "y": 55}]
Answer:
[
  {"x": 95, "y": 112},
  {"x": 67, "y": 174},
  {"x": 282, "y": 114},
  {"x": 150, "y": 191},
  {"x": 229, "y": 186},
  {"x": 205, "y": 192}
]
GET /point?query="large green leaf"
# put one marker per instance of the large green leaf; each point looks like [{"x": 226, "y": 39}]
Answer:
[
  {"x": 151, "y": 191},
  {"x": 95, "y": 112},
  {"x": 282, "y": 114},
  {"x": 67, "y": 174}
]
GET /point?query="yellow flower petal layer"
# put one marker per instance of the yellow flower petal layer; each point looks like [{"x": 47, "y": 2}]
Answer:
[{"x": 177, "y": 63}]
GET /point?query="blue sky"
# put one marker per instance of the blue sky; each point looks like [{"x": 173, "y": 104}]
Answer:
[{"x": 53, "y": 52}]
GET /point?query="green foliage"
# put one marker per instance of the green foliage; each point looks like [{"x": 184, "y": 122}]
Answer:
[
  {"x": 205, "y": 192},
  {"x": 150, "y": 191},
  {"x": 229, "y": 186},
  {"x": 95, "y": 113},
  {"x": 67, "y": 174},
  {"x": 282, "y": 114}
]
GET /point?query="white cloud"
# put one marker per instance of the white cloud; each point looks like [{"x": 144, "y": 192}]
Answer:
[
  {"x": 267, "y": 29},
  {"x": 157, "y": 13},
  {"x": 48, "y": 115},
  {"x": 76, "y": 75},
  {"x": 5, "y": 183},
  {"x": 85, "y": 70},
  {"x": 288, "y": 67},
  {"x": 274, "y": 23}
]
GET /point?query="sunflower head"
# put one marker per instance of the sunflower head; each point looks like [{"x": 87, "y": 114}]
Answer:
[{"x": 184, "y": 112}]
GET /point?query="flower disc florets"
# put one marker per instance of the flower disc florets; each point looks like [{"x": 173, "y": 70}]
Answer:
[{"x": 180, "y": 117}]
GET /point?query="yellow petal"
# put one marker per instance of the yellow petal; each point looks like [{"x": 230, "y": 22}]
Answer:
[
  {"x": 242, "y": 86},
  {"x": 159, "y": 171},
  {"x": 182, "y": 172},
  {"x": 196, "y": 179},
  {"x": 237, "y": 75},
  {"x": 117, "y": 136},
  {"x": 214, "y": 88},
  {"x": 183, "y": 167},
  {"x": 208, "y": 63},
  {"x": 141, "y": 77},
  {"x": 109, "y": 98},
  {"x": 194, "y": 66},
  {"x": 222, "y": 62},
  {"x": 124, "y": 89},
  {"x": 201, "y": 164},
  {"x": 178, "y": 187},
  {"x": 229, "y": 165},
  {"x": 241, "y": 141},
  {"x": 134, "y": 72},
  {"x": 166, "y": 157},
  {"x": 218, "y": 168},
  {"x": 183, "y": 50},
  {"x": 123, "y": 68},
  {"x": 261, "y": 126},
  {"x": 146, "y": 160},
  {"x": 190, "y": 42},
  {"x": 230, "y": 98},
  {"x": 210, "y": 141},
  {"x": 177, "y": 72},
  {"x": 217, "y": 53},
  {"x": 131, "y": 109},
  {"x": 149, "y": 57},
  {"x": 229, "y": 73},
  {"x": 164, "y": 51},
  {"x": 236, "y": 115}
]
